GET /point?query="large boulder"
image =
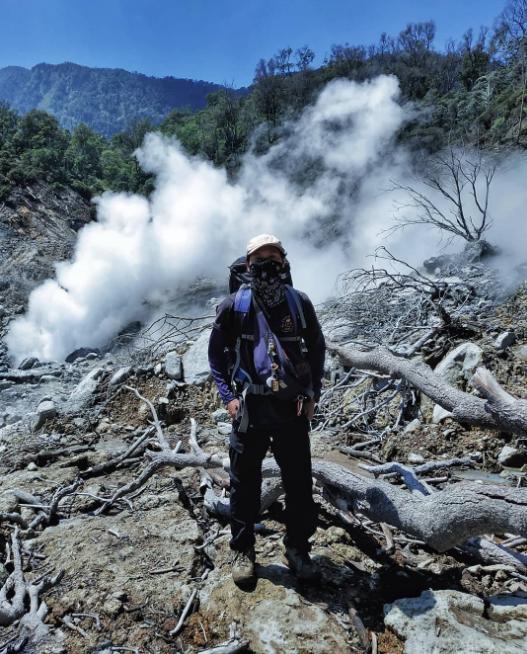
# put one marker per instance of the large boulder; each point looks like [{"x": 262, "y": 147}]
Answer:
[
  {"x": 512, "y": 457},
  {"x": 447, "y": 621},
  {"x": 120, "y": 375},
  {"x": 45, "y": 410},
  {"x": 28, "y": 363},
  {"x": 173, "y": 366},
  {"x": 196, "y": 361},
  {"x": 82, "y": 394},
  {"x": 81, "y": 353}
]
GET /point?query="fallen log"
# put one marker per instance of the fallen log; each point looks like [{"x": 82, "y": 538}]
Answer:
[
  {"x": 442, "y": 520},
  {"x": 497, "y": 410}
]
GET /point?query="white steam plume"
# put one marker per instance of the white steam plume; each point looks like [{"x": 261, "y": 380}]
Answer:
[{"x": 196, "y": 222}]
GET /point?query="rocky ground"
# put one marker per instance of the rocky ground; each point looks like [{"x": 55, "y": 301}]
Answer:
[{"x": 149, "y": 572}]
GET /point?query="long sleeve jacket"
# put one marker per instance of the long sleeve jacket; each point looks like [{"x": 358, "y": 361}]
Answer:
[{"x": 223, "y": 338}]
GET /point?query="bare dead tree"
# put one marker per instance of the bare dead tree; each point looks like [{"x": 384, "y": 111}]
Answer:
[
  {"x": 453, "y": 196},
  {"x": 164, "y": 333}
]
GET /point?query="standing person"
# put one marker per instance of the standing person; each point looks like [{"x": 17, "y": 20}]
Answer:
[{"x": 266, "y": 354}]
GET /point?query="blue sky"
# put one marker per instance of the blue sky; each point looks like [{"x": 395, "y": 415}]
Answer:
[{"x": 215, "y": 40}]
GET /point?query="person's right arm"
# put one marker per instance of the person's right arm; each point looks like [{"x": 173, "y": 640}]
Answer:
[{"x": 221, "y": 338}]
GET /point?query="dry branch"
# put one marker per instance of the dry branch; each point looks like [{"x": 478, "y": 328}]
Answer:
[
  {"x": 442, "y": 519},
  {"x": 499, "y": 411},
  {"x": 16, "y": 592},
  {"x": 229, "y": 647},
  {"x": 108, "y": 466},
  {"x": 408, "y": 474},
  {"x": 156, "y": 422}
]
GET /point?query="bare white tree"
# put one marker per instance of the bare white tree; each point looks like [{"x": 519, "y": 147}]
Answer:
[{"x": 453, "y": 196}]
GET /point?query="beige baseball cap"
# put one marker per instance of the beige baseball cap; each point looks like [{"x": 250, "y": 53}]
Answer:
[{"x": 259, "y": 241}]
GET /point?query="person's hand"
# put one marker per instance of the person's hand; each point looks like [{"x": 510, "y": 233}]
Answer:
[
  {"x": 309, "y": 409},
  {"x": 233, "y": 407}
]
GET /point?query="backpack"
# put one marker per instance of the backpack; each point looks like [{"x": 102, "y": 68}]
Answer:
[
  {"x": 277, "y": 375},
  {"x": 238, "y": 274}
]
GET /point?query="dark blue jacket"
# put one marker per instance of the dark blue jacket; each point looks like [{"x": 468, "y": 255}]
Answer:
[{"x": 226, "y": 329}]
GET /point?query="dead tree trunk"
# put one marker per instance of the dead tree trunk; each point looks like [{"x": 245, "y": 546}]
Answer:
[
  {"x": 442, "y": 519},
  {"x": 499, "y": 411}
]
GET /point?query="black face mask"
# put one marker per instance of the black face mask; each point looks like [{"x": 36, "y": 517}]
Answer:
[{"x": 268, "y": 280}]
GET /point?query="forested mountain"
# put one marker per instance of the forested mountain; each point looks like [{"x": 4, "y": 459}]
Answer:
[
  {"x": 471, "y": 93},
  {"x": 108, "y": 100}
]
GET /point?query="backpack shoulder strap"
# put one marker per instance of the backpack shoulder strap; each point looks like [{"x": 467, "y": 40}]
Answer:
[
  {"x": 295, "y": 305},
  {"x": 242, "y": 307},
  {"x": 242, "y": 301}
]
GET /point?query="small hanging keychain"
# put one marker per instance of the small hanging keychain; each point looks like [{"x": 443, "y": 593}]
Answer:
[
  {"x": 272, "y": 381},
  {"x": 299, "y": 405}
]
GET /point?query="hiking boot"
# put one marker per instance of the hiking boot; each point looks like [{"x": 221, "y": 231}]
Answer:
[
  {"x": 301, "y": 565},
  {"x": 242, "y": 564}
]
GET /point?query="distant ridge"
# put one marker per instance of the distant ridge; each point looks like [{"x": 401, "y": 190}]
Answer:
[{"x": 107, "y": 99}]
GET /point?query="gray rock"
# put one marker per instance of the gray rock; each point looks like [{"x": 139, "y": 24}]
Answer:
[
  {"x": 467, "y": 625},
  {"x": 83, "y": 393},
  {"x": 31, "y": 375},
  {"x": 439, "y": 414},
  {"x": 3, "y": 311},
  {"x": 415, "y": 459},
  {"x": 196, "y": 361},
  {"x": 505, "y": 340},
  {"x": 28, "y": 363},
  {"x": 12, "y": 418},
  {"x": 512, "y": 457},
  {"x": 45, "y": 410},
  {"x": 460, "y": 363},
  {"x": 81, "y": 353},
  {"x": 275, "y": 617},
  {"x": 120, "y": 375},
  {"x": 173, "y": 366},
  {"x": 412, "y": 426},
  {"x": 437, "y": 264},
  {"x": 47, "y": 378},
  {"x": 521, "y": 353},
  {"x": 158, "y": 369},
  {"x": 224, "y": 428},
  {"x": 172, "y": 388},
  {"x": 220, "y": 415}
]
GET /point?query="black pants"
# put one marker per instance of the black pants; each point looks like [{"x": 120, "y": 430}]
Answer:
[{"x": 290, "y": 446}]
